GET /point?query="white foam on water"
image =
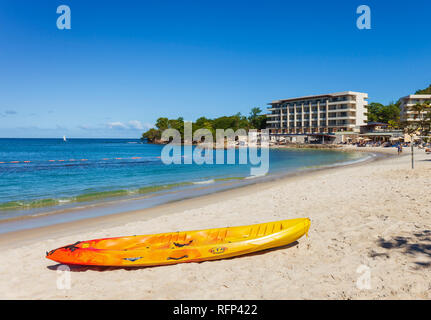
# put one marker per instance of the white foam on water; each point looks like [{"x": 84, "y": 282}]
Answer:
[{"x": 204, "y": 182}]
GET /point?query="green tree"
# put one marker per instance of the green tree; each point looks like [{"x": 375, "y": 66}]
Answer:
[
  {"x": 421, "y": 124},
  {"x": 424, "y": 91},
  {"x": 394, "y": 124},
  {"x": 261, "y": 122},
  {"x": 162, "y": 123},
  {"x": 374, "y": 111},
  {"x": 422, "y": 116},
  {"x": 237, "y": 121},
  {"x": 151, "y": 135},
  {"x": 378, "y": 112},
  {"x": 254, "y": 118},
  {"x": 177, "y": 124}
]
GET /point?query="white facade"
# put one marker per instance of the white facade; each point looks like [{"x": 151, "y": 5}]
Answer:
[
  {"x": 328, "y": 113},
  {"x": 409, "y": 101}
]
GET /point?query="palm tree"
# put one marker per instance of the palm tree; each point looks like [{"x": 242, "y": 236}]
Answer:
[
  {"x": 422, "y": 124},
  {"x": 426, "y": 125},
  {"x": 254, "y": 117}
]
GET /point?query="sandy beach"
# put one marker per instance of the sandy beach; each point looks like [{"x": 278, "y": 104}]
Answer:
[{"x": 369, "y": 221}]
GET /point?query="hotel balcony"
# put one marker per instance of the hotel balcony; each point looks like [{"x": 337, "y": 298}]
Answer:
[
  {"x": 333, "y": 108},
  {"x": 342, "y": 117},
  {"x": 350, "y": 101}
]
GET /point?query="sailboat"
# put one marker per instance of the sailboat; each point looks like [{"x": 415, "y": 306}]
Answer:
[{"x": 64, "y": 138}]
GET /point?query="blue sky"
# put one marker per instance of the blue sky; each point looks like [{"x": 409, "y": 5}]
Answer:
[{"x": 121, "y": 67}]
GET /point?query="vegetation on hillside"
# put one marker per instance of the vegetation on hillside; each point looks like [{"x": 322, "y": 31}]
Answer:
[
  {"x": 255, "y": 120},
  {"x": 424, "y": 91}
]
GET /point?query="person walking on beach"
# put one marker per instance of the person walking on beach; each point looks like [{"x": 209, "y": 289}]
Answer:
[{"x": 400, "y": 149}]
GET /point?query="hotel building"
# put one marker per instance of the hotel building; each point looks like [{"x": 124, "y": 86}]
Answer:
[
  {"x": 407, "y": 114},
  {"x": 326, "y": 113}
]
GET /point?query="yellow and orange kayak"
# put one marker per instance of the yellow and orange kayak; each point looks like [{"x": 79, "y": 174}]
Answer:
[{"x": 184, "y": 246}]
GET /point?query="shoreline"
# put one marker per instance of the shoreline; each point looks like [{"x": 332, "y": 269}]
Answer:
[
  {"x": 358, "y": 215},
  {"x": 76, "y": 212},
  {"x": 27, "y": 235}
]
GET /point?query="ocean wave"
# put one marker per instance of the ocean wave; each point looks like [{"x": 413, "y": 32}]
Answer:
[
  {"x": 204, "y": 182},
  {"x": 87, "y": 197}
]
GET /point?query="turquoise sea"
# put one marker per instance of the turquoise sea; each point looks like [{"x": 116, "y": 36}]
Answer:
[{"x": 40, "y": 175}]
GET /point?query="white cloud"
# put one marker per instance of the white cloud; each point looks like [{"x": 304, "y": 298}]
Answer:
[
  {"x": 130, "y": 125},
  {"x": 117, "y": 125},
  {"x": 135, "y": 124}
]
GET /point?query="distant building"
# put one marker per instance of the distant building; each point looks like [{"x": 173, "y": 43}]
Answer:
[
  {"x": 374, "y": 127},
  {"x": 408, "y": 102},
  {"x": 380, "y": 132},
  {"x": 318, "y": 114}
]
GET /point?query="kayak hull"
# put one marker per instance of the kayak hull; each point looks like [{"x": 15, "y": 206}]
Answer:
[{"x": 180, "y": 247}]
